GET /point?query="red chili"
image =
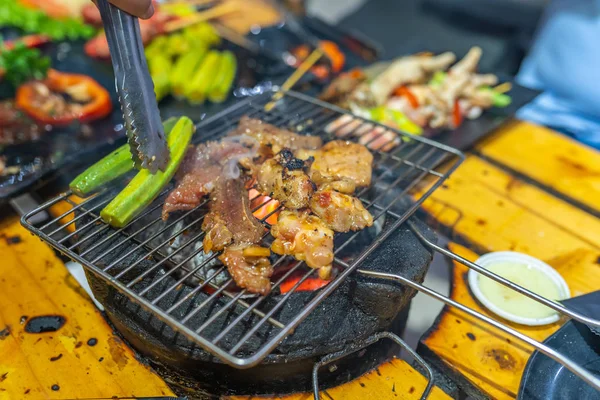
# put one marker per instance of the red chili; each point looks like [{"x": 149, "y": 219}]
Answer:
[
  {"x": 332, "y": 52},
  {"x": 309, "y": 285},
  {"x": 403, "y": 91},
  {"x": 35, "y": 98},
  {"x": 457, "y": 117}
]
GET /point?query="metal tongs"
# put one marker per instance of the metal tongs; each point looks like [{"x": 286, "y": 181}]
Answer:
[{"x": 135, "y": 88}]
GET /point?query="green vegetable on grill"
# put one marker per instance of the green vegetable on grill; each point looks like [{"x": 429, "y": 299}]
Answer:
[
  {"x": 145, "y": 186},
  {"x": 111, "y": 167}
]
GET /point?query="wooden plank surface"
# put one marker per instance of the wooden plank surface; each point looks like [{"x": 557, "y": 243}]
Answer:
[
  {"x": 33, "y": 282},
  {"x": 491, "y": 210},
  {"x": 61, "y": 364},
  {"x": 393, "y": 380},
  {"x": 550, "y": 158}
]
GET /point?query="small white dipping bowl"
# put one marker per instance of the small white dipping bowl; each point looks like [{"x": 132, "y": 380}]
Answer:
[{"x": 518, "y": 258}]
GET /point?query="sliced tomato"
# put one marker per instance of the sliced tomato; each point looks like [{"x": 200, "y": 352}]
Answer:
[
  {"x": 403, "y": 91},
  {"x": 45, "y": 100},
  {"x": 457, "y": 117}
]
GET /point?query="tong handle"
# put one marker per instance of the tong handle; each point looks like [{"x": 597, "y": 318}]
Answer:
[{"x": 134, "y": 87}]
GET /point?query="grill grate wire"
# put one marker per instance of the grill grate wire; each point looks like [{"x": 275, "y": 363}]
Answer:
[{"x": 80, "y": 234}]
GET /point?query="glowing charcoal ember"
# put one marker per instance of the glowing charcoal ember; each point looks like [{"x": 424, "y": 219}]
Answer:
[{"x": 267, "y": 206}]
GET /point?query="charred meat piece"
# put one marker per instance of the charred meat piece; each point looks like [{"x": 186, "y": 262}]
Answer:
[
  {"x": 198, "y": 171},
  {"x": 283, "y": 178},
  {"x": 230, "y": 217},
  {"x": 305, "y": 237},
  {"x": 274, "y": 137},
  {"x": 252, "y": 273},
  {"x": 342, "y": 160},
  {"x": 339, "y": 211}
]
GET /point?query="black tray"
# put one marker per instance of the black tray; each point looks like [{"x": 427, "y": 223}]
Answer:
[
  {"x": 545, "y": 379},
  {"x": 62, "y": 151}
]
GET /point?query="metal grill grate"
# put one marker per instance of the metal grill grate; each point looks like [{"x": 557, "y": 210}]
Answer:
[{"x": 138, "y": 259}]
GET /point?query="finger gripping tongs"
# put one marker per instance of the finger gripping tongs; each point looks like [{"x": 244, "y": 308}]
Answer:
[{"x": 135, "y": 88}]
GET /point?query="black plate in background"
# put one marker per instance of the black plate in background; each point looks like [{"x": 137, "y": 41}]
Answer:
[
  {"x": 63, "y": 151},
  {"x": 545, "y": 379}
]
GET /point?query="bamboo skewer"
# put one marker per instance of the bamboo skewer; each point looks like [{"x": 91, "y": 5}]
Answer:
[
  {"x": 295, "y": 77},
  {"x": 215, "y": 12}
]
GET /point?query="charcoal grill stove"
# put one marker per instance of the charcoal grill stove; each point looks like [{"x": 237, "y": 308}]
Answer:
[{"x": 179, "y": 308}]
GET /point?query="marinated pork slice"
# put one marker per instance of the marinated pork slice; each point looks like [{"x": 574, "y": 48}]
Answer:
[
  {"x": 305, "y": 237},
  {"x": 198, "y": 171},
  {"x": 230, "y": 218},
  {"x": 339, "y": 211},
  {"x": 274, "y": 137},
  {"x": 283, "y": 178},
  {"x": 252, "y": 273},
  {"x": 342, "y": 160}
]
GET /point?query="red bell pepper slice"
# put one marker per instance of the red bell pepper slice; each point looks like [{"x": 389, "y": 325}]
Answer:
[
  {"x": 403, "y": 91},
  {"x": 332, "y": 52},
  {"x": 37, "y": 98},
  {"x": 457, "y": 117}
]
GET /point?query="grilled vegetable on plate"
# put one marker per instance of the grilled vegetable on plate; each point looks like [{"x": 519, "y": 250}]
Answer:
[{"x": 421, "y": 91}]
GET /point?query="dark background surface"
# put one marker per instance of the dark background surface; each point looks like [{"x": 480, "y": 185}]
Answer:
[{"x": 502, "y": 28}]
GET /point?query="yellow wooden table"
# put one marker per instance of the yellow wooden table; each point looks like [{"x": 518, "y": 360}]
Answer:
[
  {"x": 527, "y": 189},
  {"x": 484, "y": 205}
]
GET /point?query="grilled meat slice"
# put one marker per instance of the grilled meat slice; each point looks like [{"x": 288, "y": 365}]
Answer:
[
  {"x": 342, "y": 160},
  {"x": 230, "y": 218},
  {"x": 249, "y": 272},
  {"x": 339, "y": 211},
  {"x": 305, "y": 237},
  {"x": 276, "y": 138},
  {"x": 197, "y": 173},
  {"x": 283, "y": 178}
]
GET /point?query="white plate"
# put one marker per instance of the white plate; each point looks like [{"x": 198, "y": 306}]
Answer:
[{"x": 518, "y": 258}]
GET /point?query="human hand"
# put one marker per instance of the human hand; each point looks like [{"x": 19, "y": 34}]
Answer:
[{"x": 143, "y": 9}]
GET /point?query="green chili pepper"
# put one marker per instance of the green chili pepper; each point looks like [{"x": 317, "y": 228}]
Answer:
[
  {"x": 156, "y": 47},
  {"x": 203, "y": 81},
  {"x": 500, "y": 100},
  {"x": 202, "y": 33},
  {"x": 184, "y": 69},
  {"x": 145, "y": 186},
  {"x": 160, "y": 66},
  {"x": 111, "y": 167},
  {"x": 224, "y": 78},
  {"x": 396, "y": 119}
]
